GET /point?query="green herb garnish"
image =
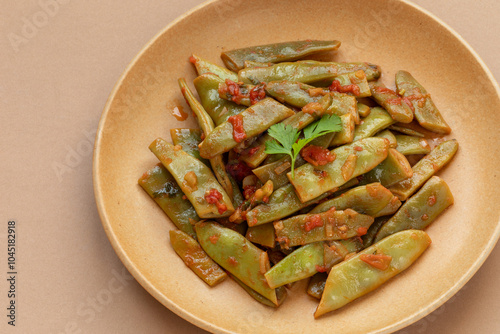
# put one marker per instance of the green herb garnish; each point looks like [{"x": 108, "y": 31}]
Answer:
[{"x": 288, "y": 141}]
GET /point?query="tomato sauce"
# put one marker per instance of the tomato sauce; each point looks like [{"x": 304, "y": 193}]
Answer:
[
  {"x": 248, "y": 191},
  {"x": 257, "y": 93},
  {"x": 378, "y": 261},
  {"x": 213, "y": 196},
  {"x": 321, "y": 269},
  {"x": 337, "y": 87},
  {"x": 317, "y": 155},
  {"x": 362, "y": 231},
  {"x": 238, "y": 170},
  {"x": 232, "y": 89},
  {"x": 313, "y": 222},
  {"x": 239, "y": 133},
  {"x": 179, "y": 113}
]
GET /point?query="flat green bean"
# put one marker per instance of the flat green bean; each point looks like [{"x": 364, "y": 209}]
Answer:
[
  {"x": 420, "y": 210},
  {"x": 204, "y": 66},
  {"x": 301, "y": 263},
  {"x": 351, "y": 160},
  {"x": 237, "y": 255},
  {"x": 277, "y": 52},
  {"x": 282, "y": 203},
  {"x": 207, "y": 86},
  {"x": 188, "y": 139},
  {"x": 378, "y": 120},
  {"x": 329, "y": 225},
  {"x": 369, "y": 199},
  {"x": 363, "y": 109},
  {"x": 262, "y": 235},
  {"x": 425, "y": 168},
  {"x": 304, "y": 71},
  {"x": 389, "y": 136},
  {"x": 346, "y": 135},
  {"x": 195, "y": 179},
  {"x": 256, "y": 119},
  {"x": 395, "y": 168},
  {"x": 161, "y": 186},
  {"x": 317, "y": 285},
  {"x": 426, "y": 112},
  {"x": 392, "y": 102},
  {"x": 207, "y": 126},
  {"x": 412, "y": 145},
  {"x": 354, "y": 277},
  {"x": 281, "y": 293},
  {"x": 196, "y": 259}
]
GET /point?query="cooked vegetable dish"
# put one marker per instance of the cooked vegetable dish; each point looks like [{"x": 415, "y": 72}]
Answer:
[{"x": 301, "y": 169}]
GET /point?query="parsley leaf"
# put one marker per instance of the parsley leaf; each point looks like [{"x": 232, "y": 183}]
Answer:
[
  {"x": 286, "y": 137},
  {"x": 288, "y": 141}
]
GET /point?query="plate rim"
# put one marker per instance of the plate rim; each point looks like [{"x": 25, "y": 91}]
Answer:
[{"x": 205, "y": 325}]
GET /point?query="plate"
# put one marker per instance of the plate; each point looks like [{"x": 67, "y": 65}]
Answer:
[{"x": 396, "y": 35}]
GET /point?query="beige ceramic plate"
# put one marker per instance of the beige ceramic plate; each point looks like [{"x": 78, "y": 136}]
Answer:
[{"x": 395, "y": 35}]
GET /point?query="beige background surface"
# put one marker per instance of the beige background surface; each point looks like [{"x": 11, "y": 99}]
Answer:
[{"x": 54, "y": 81}]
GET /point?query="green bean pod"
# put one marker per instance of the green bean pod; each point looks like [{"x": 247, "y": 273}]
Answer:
[
  {"x": 188, "y": 139},
  {"x": 369, "y": 237},
  {"x": 407, "y": 131},
  {"x": 305, "y": 71},
  {"x": 251, "y": 63},
  {"x": 390, "y": 208},
  {"x": 389, "y": 136},
  {"x": 363, "y": 109},
  {"x": 393, "y": 169},
  {"x": 329, "y": 225},
  {"x": 207, "y": 126},
  {"x": 317, "y": 285},
  {"x": 378, "y": 120},
  {"x": 207, "y": 86},
  {"x": 276, "y": 172},
  {"x": 351, "y": 160},
  {"x": 356, "y": 81},
  {"x": 346, "y": 135},
  {"x": 420, "y": 210},
  {"x": 392, "y": 102},
  {"x": 256, "y": 119},
  {"x": 293, "y": 93},
  {"x": 299, "y": 95},
  {"x": 426, "y": 112},
  {"x": 237, "y": 255},
  {"x": 281, "y": 293},
  {"x": 301, "y": 263},
  {"x": 282, "y": 203},
  {"x": 412, "y": 145},
  {"x": 425, "y": 168},
  {"x": 354, "y": 278},
  {"x": 194, "y": 178},
  {"x": 369, "y": 199},
  {"x": 343, "y": 104},
  {"x": 275, "y": 53},
  {"x": 161, "y": 186},
  {"x": 204, "y": 66},
  {"x": 196, "y": 259},
  {"x": 337, "y": 251},
  {"x": 262, "y": 235}
]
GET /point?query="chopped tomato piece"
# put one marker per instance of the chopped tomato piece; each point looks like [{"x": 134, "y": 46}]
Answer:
[
  {"x": 317, "y": 155},
  {"x": 239, "y": 133},
  {"x": 213, "y": 196},
  {"x": 378, "y": 261}
]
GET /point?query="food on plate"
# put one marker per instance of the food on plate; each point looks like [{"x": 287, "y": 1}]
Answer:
[{"x": 301, "y": 169}]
